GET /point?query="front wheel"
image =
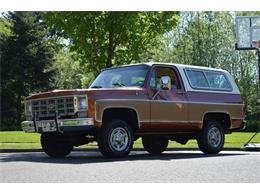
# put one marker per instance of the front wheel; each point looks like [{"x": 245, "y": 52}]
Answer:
[
  {"x": 115, "y": 139},
  {"x": 56, "y": 145},
  {"x": 211, "y": 139},
  {"x": 155, "y": 144}
]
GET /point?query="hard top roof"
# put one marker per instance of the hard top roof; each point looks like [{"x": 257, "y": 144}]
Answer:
[{"x": 172, "y": 64}]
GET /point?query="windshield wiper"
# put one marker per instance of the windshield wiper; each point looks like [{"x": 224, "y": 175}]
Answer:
[
  {"x": 96, "y": 86},
  {"x": 118, "y": 84}
]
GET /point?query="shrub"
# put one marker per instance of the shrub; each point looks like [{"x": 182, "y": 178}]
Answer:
[{"x": 252, "y": 126}]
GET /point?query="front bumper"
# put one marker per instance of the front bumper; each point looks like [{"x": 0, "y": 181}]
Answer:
[{"x": 62, "y": 125}]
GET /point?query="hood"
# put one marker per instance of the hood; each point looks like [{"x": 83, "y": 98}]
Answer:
[
  {"x": 55, "y": 93},
  {"x": 100, "y": 91}
]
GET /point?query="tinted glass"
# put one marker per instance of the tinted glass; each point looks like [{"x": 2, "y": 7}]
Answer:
[
  {"x": 130, "y": 76},
  {"x": 208, "y": 80},
  {"x": 197, "y": 79},
  {"x": 158, "y": 73},
  {"x": 217, "y": 80}
]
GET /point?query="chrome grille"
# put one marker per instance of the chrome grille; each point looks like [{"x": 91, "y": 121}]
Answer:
[{"x": 45, "y": 108}]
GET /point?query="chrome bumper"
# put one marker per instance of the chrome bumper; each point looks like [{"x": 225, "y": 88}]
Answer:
[{"x": 62, "y": 125}]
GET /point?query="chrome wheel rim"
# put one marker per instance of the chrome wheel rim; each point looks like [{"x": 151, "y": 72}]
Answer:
[
  {"x": 214, "y": 137},
  {"x": 119, "y": 139}
]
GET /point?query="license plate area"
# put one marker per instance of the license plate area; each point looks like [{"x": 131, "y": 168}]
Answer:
[{"x": 46, "y": 126}]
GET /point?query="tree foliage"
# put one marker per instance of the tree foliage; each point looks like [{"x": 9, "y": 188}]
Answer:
[
  {"x": 25, "y": 57},
  {"x": 75, "y": 46},
  {"x": 107, "y": 38},
  {"x": 69, "y": 73},
  {"x": 208, "y": 39},
  {"x": 5, "y": 26}
]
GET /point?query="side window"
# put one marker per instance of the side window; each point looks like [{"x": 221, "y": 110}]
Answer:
[
  {"x": 217, "y": 80},
  {"x": 197, "y": 79},
  {"x": 153, "y": 80},
  {"x": 158, "y": 73},
  {"x": 207, "y": 79}
]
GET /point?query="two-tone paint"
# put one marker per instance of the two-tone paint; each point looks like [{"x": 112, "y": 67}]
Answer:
[
  {"x": 169, "y": 112},
  {"x": 163, "y": 111}
]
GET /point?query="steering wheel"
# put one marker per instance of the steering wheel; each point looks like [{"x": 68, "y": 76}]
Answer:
[{"x": 140, "y": 83}]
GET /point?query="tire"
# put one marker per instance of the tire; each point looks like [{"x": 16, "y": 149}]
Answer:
[
  {"x": 56, "y": 145},
  {"x": 115, "y": 139},
  {"x": 155, "y": 144},
  {"x": 211, "y": 140}
]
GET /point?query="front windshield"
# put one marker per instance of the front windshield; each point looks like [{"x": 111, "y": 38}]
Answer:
[{"x": 129, "y": 76}]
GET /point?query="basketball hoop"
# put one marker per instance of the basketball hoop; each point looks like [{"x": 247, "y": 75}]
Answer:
[
  {"x": 256, "y": 44},
  {"x": 248, "y": 38}
]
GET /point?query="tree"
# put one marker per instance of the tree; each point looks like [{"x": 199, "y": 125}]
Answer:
[
  {"x": 5, "y": 27},
  {"x": 25, "y": 58},
  {"x": 208, "y": 39},
  {"x": 69, "y": 73},
  {"x": 103, "y": 39}
]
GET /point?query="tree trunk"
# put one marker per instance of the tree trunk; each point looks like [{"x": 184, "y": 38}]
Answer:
[
  {"x": 19, "y": 110},
  {"x": 110, "y": 50}
]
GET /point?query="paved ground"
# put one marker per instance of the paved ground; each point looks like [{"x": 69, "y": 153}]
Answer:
[{"x": 172, "y": 166}]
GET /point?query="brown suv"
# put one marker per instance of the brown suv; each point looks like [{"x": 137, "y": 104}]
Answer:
[{"x": 155, "y": 101}]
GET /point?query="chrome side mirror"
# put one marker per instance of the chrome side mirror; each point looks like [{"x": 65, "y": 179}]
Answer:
[{"x": 166, "y": 83}]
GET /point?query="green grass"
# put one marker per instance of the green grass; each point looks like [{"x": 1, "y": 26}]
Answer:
[
  {"x": 18, "y": 137},
  {"x": 21, "y": 140}
]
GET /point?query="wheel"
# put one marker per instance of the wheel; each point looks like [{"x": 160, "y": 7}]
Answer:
[
  {"x": 56, "y": 145},
  {"x": 115, "y": 139},
  {"x": 211, "y": 139},
  {"x": 155, "y": 144}
]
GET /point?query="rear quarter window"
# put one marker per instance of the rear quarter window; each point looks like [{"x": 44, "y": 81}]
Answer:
[
  {"x": 208, "y": 80},
  {"x": 217, "y": 80},
  {"x": 197, "y": 79}
]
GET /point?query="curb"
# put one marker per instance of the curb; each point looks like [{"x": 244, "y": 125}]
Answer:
[{"x": 96, "y": 150}]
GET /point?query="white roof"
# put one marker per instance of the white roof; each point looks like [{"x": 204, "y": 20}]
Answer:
[
  {"x": 172, "y": 64},
  {"x": 186, "y": 66},
  {"x": 181, "y": 68}
]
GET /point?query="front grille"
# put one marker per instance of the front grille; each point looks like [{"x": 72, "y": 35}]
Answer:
[{"x": 46, "y": 108}]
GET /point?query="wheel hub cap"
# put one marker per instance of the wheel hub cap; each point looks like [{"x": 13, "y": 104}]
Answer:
[
  {"x": 214, "y": 137},
  {"x": 119, "y": 139}
]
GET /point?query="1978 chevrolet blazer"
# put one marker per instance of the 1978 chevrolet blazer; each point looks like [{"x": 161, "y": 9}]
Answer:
[{"x": 155, "y": 101}]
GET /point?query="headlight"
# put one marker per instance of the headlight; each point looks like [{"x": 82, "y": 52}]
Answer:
[{"x": 82, "y": 103}]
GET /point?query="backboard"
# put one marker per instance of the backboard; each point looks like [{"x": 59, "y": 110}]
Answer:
[{"x": 247, "y": 32}]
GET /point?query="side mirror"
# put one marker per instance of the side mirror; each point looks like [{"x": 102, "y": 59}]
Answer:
[{"x": 166, "y": 83}]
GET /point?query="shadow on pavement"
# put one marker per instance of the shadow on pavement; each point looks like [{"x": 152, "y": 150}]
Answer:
[{"x": 96, "y": 157}]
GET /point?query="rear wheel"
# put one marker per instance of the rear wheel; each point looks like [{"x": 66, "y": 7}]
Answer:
[
  {"x": 56, "y": 145},
  {"x": 115, "y": 139},
  {"x": 155, "y": 144},
  {"x": 211, "y": 139}
]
